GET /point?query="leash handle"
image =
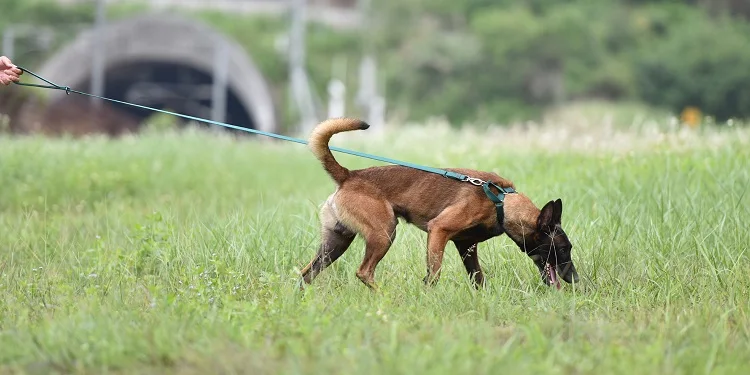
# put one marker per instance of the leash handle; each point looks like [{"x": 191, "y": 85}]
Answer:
[{"x": 50, "y": 85}]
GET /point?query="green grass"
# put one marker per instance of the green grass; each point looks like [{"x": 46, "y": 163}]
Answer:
[{"x": 177, "y": 253}]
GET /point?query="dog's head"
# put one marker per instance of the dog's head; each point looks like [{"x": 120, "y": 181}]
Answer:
[{"x": 551, "y": 248}]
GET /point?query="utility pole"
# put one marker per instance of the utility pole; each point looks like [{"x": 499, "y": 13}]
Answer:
[
  {"x": 220, "y": 77},
  {"x": 367, "y": 95},
  {"x": 9, "y": 39},
  {"x": 337, "y": 88},
  {"x": 298, "y": 80},
  {"x": 99, "y": 53},
  {"x": 366, "y": 65}
]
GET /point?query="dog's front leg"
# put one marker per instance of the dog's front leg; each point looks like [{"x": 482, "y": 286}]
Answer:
[
  {"x": 440, "y": 230},
  {"x": 437, "y": 238}
]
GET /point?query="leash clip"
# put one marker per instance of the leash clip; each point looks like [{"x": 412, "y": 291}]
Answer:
[{"x": 475, "y": 181}]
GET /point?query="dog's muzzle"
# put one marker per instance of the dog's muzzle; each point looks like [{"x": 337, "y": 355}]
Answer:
[{"x": 567, "y": 271}]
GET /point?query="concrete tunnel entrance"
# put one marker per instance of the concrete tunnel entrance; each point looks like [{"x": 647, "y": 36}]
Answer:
[
  {"x": 178, "y": 88},
  {"x": 157, "y": 60}
]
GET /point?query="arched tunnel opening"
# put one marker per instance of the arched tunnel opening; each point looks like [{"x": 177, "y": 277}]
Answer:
[
  {"x": 173, "y": 87},
  {"x": 149, "y": 68}
]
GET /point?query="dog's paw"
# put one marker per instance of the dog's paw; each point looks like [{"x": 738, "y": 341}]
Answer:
[{"x": 430, "y": 280}]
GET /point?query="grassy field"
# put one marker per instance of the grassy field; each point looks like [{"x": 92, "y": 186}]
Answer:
[{"x": 178, "y": 253}]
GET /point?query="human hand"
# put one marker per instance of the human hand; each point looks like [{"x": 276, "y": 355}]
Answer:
[{"x": 8, "y": 72}]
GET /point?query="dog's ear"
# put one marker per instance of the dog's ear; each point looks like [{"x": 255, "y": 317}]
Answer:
[
  {"x": 557, "y": 212},
  {"x": 545, "y": 221}
]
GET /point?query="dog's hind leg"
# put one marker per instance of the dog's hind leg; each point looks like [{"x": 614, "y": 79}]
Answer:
[
  {"x": 469, "y": 256},
  {"x": 377, "y": 244},
  {"x": 334, "y": 243},
  {"x": 374, "y": 220},
  {"x": 335, "y": 240}
]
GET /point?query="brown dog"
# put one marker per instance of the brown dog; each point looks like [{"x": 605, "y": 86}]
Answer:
[{"x": 369, "y": 202}]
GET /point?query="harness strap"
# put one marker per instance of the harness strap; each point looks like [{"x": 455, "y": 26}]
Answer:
[{"x": 497, "y": 199}]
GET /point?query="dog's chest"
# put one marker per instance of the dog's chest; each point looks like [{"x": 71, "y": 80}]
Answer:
[{"x": 479, "y": 233}]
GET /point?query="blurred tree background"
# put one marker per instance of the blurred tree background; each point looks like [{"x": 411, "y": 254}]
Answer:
[
  {"x": 496, "y": 60},
  {"x": 503, "y": 60}
]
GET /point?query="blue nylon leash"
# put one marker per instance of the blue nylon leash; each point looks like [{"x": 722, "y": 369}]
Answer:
[
  {"x": 496, "y": 199},
  {"x": 68, "y": 90}
]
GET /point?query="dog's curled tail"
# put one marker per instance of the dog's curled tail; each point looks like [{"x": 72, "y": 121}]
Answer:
[{"x": 318, "y": 143}]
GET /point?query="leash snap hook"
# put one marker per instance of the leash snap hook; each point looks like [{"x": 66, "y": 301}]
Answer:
[{"x": 475, "y": 181}]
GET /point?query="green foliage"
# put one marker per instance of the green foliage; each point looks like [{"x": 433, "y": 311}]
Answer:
[
  {"x": 509, "y": 60},
  {"x": 60, "y": 24},
  {"x": 702, "y": 65},
  {"x": 513, "y": 59},
  {"x": 176, "y": 253}
]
